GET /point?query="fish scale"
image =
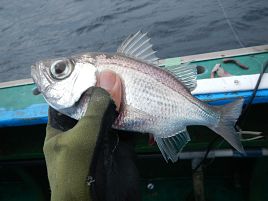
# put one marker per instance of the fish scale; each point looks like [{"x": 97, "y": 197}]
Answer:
[
  {"x": 142, "y": 90},
  {"x": 155, "y": 99},
  {"x": 143, "y": 87}
]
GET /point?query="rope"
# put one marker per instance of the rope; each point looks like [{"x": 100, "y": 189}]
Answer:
[{"x": 230, "y": 24}]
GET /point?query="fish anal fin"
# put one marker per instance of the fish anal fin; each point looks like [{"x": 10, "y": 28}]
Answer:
[{"x": 170, "y": 147}]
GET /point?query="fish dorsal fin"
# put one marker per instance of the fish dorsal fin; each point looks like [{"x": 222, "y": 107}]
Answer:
[
  {"x": 171, "y": 147},
  {"x": 186, "y": 73},
  {"x": 138, "y": 46}
]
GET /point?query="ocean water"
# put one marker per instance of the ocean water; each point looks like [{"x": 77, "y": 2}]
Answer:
[{"x": 31, "y": 30}]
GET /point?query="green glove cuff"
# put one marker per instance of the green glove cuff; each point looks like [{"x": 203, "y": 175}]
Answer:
[{"x": 68, "y": 154}]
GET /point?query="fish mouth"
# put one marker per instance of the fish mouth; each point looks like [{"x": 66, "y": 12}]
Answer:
[
  {"x": 34, "y": 73},
  {"x": 36, "y": 91}
]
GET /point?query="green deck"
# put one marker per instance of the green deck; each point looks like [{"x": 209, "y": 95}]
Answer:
[
  {"x": 14, "y": 101},
  {"x": 253, "y": 61}
]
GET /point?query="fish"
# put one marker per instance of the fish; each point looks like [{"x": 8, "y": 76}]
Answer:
[{"x": 156, "y": 99}]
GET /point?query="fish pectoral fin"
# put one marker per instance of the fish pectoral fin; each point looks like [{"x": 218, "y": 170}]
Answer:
[
  {"x": 186, "y": 73},
  {"x": 171, "y": 147},
  {"x": 138, "y": 46}
]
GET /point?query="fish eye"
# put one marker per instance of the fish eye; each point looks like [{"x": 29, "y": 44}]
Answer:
[{"x": 61, "y": 69}]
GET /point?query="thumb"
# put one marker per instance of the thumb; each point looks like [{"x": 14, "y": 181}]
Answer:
[{"x": 111, "y": 82}]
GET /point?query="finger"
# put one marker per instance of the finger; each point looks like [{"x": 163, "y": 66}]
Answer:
[{"x": 111, "y": 82}]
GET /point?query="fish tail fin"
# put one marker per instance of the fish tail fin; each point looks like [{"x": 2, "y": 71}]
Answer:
[{"x": 225, "y": 127}]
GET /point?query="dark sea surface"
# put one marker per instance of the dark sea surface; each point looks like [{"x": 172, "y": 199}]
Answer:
[{"x": 32, "y": 30}]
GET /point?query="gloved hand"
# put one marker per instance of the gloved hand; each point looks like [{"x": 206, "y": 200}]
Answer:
[{"x": 86, "y": 160}]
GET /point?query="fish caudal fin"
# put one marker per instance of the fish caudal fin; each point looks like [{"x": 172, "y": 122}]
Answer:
[
  {"x": 225, "y": 127},
  {"x": 171, "y": 147}
]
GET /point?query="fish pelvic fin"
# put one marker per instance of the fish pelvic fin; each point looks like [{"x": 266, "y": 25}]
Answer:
[
  {"x": 170, "y": 147},
  {"x": 225, "y": 127}
]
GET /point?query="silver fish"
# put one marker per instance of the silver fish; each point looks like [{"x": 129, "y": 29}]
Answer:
[{"x": 156, "y": 100}]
